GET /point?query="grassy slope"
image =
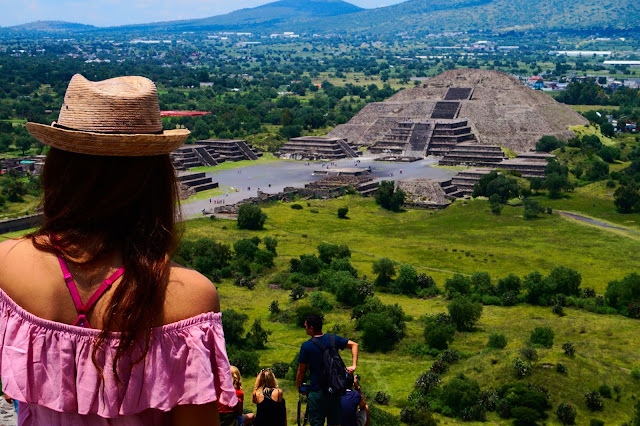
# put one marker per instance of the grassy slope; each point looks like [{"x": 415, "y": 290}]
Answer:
[{"x": 605, "y": 345}]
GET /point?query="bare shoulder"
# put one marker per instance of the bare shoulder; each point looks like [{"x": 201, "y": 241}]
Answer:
[
  {"x": 16, "y": 256},
  {"x": 189, "y": 293}
]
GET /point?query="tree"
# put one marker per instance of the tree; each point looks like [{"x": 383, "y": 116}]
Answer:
[
  {"x": 457, "y": 285},
  {"x": 385, "y": 270},
  {"x": 627, "y": 197},
  {"x": 495, "y": 204},
  {"x": 460, "y": 394},
  {"x": 233, "y": 326},
  {"x": 257, "y": 335},
  {"x": 609, "y": 154},
  {"x": 250, "y": 216},
  {"x": 607, "y": 129},
  {"x": 327, "y": 252},
  {"x": 388, "y": 197},
  {"x": 439, "y": 334},
  {"x": 379, "y": 333},
  {"x": 566, "y": 280},
  {"x": 407, "y": 280},
  {"x": 548, "y": 144},
  {"x": 531, "y": 209},
  {"x": 464, "y": 313}
]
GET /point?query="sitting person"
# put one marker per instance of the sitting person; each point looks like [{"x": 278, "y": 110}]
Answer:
[
  {"x": 355, "y": 411},
  {"x": 269, "y": 399},
  {"x": 233, "y": 416}
]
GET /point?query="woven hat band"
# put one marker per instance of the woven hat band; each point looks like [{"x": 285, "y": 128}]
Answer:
[{"x": 123, "y": 105}]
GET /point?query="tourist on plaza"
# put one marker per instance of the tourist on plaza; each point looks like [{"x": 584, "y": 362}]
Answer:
[
  {"x": 233, "y": 416},
  {"x": 321, "y": 405},
  {"x": 99, "y": 326},
  {"x": 355, "y": 411},
  {"x": 271, "y": 409}
]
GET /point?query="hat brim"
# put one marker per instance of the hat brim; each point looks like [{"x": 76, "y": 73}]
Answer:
[{"x": 114, "y": 145}]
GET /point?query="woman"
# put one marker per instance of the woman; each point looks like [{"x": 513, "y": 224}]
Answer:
[
  {"x": 233, "y": 416},
  {"x": 99, "y": 326},
  {"x": 269, "y": 399}
]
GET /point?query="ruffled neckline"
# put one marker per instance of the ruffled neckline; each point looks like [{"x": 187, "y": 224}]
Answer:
[{"x": 206, "y": 317}]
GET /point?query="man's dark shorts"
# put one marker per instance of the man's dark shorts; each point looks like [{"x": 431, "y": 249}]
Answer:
[{"x": 321, "y": 406}]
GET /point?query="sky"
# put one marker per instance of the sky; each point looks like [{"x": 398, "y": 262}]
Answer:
[{"x": 105, "y": 13}]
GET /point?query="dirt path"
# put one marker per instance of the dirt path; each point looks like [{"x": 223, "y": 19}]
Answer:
[{"x": 597, "y": 223}]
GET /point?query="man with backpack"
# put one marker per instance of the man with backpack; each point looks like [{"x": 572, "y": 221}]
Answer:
[{"x": 328, "y": 373}]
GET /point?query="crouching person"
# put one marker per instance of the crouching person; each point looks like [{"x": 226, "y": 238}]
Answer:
[{"x": 355, "y": 411}]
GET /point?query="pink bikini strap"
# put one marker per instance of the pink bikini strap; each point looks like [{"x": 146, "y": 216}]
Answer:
[{"x": 83, "y": 309}]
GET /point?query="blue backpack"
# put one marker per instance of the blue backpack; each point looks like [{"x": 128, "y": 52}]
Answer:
[{"x": 334, "y": 372}]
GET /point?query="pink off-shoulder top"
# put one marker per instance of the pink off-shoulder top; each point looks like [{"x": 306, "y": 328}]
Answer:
[{"x": 47, "y": 366}]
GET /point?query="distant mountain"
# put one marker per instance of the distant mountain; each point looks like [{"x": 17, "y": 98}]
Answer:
[
  {"x": 418, "y": 16},
  {"x": 493, "y": 15},
  {"x": 280, "y": 13},
  {"x": 50, "y": 26},
  {"x": 422, "y": 16}
]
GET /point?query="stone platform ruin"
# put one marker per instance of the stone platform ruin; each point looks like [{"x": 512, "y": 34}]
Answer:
[
  {"x": 211, "y": 152},
  {"x": 313, "y": 148}
]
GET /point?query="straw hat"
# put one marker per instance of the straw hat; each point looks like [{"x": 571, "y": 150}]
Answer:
[{"x": 115, "y": 117}]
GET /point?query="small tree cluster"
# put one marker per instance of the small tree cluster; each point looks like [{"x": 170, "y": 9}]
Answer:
[
  {"x": 388, "y": 197},
  {"x": 250, "y": 216}
]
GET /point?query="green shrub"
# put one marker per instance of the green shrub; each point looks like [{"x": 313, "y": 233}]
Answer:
[
  {"x": 380, "y": 417},
  {"x": 379, "y": 333},
  {"x": 460, "y": 394},
  {"x": 250, "y": 216},
  {"x": 561, "y": 368},
  {"x": 458, "y": 284},
  {"x": 510, "y": 283},
  {"x": 529, "y": 353},
  {"x": 513, "y": 397},
  {"x": 382, "y": 398},
  {"x": 464, "y": 313},
  {"x": 388, "y": 197},
  {"x": 303, "y": 311},
  {"x": 542, "y": 336},
  {"x": 531, "y": 209},
  {"x": 319, "y": 300},
  {"x": 569, "y": 349},
  {"x": 264, "y": 258},
  {"x": 342, "y": 212},
  {"x": 594, "y": 401},
  {"x": 246, "y": 361},
  {"x": 327, "y": 252},
  {"x": 481, "y": 283},
  {"x": 522, "y": 368},
  {"x": 280, "y": 369},
  {"x": 449, "y": 356},
  {"x": 274, "y": 307},
  {"x": 497, "y": 341},
  {"x": 438, "y": 334},
  {"x": 257, "y": 336},
  {"x": 427, "y": 381},
  {"x": 296, "y": 207},
  {"x": 620, "y": 294},
  {"x": 297, "y": 293},
  {"x": 385, "y": 270},
  {"x": 596, "y": 422},
  {"x": 407, "y": 280},
  {"x": 270, "y": 243},
  {"x": 635, "y": 374},
  {"x": 233, "y": 326},
  {"x": 605, "y": 391}
]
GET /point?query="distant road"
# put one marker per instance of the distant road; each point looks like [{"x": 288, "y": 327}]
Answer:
[{"x": 596, "y": 222}]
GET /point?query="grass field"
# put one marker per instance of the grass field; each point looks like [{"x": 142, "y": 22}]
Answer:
[{"x": 437, "y": 243}]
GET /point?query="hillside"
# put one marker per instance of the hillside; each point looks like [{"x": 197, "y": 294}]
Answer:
[
  {"x": 281, "y": 14},
  {"x": 49, "y": 26},
  {"x": 419, "y": 16},
  {"x": 495, "y": 15},
  {"x": 463, "y": 238}
]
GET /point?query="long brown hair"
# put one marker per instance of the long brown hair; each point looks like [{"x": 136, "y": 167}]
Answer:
[{"x": 95, "y": 205}]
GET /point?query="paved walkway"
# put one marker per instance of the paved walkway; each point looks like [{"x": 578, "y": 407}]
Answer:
[{"x": 272, "y": 178}]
